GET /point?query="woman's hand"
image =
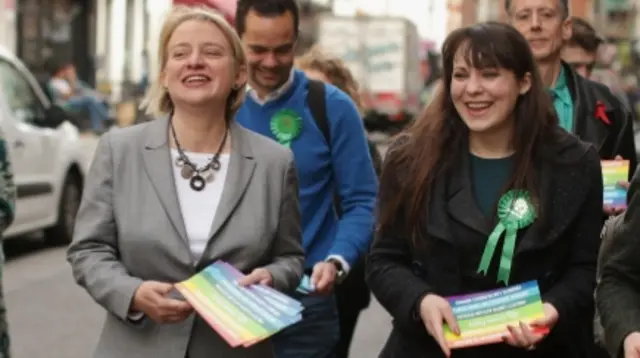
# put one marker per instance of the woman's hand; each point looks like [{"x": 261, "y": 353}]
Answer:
[
  {"x": 152, "y": 299},
  {"x": 434, "y": 310},
  {"x": 524, "y": 336},
  {"x": 632, "y": 345},
  {"x": 257, "y": 276}
]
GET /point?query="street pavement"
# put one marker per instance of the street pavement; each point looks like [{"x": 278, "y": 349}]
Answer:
[{"x": 51, "y": 317}]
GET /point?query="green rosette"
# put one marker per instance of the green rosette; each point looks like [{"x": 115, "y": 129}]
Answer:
[
  {"x": 515, "y": 212},
  {"x": 286, "y": 126}
]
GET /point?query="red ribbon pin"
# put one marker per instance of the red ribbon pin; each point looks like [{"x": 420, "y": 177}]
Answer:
[{"x": 601, "y": 113}]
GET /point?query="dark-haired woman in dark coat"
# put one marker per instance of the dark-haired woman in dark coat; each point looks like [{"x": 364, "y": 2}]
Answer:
[{"x": 489, "y": 144}]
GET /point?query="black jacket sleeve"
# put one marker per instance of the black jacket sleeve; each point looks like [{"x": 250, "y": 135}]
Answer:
[
  {"x": 572, "y": 295},
  {"x": 618, "y": 293},
  {"x": 624, "y": 144},
  {"x": 391, "y": 280},
  {"x": 388, "y": 269}
]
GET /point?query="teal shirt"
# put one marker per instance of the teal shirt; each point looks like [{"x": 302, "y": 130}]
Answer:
[
  {"x": 488, "y": 180},
  {"x": 562, "y": 101}
]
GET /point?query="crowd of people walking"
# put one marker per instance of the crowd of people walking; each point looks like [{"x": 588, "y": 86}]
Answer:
[
  {"x": 261, "y": 159},
  {"x": 514, "y": 120}
]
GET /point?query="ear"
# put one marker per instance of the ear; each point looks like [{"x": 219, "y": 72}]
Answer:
[
  {"x": 163, "y": 78},
  {"x": 567, "y": 29},
  {"x": 241, "y": 76},
  {"x": 525, "y": 83}
]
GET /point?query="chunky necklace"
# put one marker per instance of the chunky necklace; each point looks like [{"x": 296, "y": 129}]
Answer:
[{"x": 198, "y": 177}]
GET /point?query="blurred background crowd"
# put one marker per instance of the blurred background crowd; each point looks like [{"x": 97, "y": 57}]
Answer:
[
  {"x": 392, "y": 47},
  {"x": 107, "y": 50}
]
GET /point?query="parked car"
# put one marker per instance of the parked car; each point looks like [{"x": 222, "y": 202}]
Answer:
[{"x": 46, "y": 153}]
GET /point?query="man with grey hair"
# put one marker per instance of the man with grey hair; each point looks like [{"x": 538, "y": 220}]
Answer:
[{"x": 585, "y": 108}]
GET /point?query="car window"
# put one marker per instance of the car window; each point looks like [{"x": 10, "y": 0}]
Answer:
[{"x": 21, "y": 99}]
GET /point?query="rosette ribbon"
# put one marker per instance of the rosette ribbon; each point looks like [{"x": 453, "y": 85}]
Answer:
[
  {"x": 515, "y": 212},
  {"x": 286, "y": 126}
]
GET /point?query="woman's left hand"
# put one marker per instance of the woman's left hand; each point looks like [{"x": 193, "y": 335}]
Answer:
[
  {"x": 523, "y": 336},
  {"x": 257, "y": 276}
]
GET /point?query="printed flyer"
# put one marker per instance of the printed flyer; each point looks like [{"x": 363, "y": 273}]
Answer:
[
  {"x": 614, "y": 171},
  {"x": 483, "y": 317},
  {"x": 242, "y": 316}
]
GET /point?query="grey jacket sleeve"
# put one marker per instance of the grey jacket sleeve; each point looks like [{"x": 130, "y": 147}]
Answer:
[
  {"x": 94, "y": 254},
  {"x": 288, "y": 254}
]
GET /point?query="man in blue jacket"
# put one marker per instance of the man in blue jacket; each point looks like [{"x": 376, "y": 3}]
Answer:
[{"x": 278, "y": 106}]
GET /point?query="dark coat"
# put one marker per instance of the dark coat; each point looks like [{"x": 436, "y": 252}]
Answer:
[
  {"x": 615, "y": 138},
  {"x": 560, "y": 252},
  {"x": 618, "y": 293}
]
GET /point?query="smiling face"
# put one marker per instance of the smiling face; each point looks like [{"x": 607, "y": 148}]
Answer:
[
  {"x": 269, "y": 42},
  {"x": 200, "y": 67},
  {"x": 544, "y": 24},
  {"x": 485, "y": 98}
]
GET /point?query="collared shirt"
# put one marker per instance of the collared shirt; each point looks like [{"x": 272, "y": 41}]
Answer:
[
  {"x": 562, "y": 101},
  {"x": 273, "y": 95}
]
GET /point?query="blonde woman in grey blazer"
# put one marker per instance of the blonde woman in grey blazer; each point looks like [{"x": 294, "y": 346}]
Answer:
[{"x": 166, "y": 198}]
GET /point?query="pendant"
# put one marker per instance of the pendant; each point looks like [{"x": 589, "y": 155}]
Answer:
[
  {"x": 215, "y": 164},
  {"x": 209, "y": 175},
  {"x": 186, "y": 172},
  {"x": 197, "y": 183}
]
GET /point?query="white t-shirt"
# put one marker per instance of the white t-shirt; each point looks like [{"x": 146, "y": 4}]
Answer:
[
  {"x": 199, "y": 207},
  {"x": 60, "y": 85}
]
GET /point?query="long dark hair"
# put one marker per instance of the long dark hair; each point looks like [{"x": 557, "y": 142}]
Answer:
[{"x": 433, "y": 144}]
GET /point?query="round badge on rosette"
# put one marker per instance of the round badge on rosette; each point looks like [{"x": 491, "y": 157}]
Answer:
[{"x": 286, "y": 126}]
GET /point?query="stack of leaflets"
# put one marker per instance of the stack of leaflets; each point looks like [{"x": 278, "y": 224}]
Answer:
[
  {"x": 483, "y": 317},
  {"x": 613, "y": 172},
  {"x": 243, "y": 316}
]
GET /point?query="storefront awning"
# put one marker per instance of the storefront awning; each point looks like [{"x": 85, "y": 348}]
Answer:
[{"x": 226, "y": 7}]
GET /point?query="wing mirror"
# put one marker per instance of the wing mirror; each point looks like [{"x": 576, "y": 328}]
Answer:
[{"x": 55, "y": 116}]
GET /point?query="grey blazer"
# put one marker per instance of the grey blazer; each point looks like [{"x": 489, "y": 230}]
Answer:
[{"x": 130, "y": 229}]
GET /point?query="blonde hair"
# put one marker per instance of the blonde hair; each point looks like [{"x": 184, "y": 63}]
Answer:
[
  {"x": 334, "y": 69},
  {"x": 157, "y": 101}
]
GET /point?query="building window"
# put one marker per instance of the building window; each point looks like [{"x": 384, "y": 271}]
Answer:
[{"x": 45, "y": 29}]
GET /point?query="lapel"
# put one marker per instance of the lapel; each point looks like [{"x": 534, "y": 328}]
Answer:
[
  {"x": 587, "y": 126},
  {"x": 562, "y": 193},
  {"x": 241, "y": 167},
  {"x": 561, "y": 196},
  {"x": 461, "y": 203},
  {"x": 157, "y": 163}
]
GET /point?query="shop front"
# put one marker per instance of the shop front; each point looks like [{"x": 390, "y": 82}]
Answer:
[{"x": 56, "y": 28}]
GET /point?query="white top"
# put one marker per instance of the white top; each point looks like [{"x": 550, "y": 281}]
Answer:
[
  {"x": 199, "y": 207},
  {"x": 60, "y": 85}
]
